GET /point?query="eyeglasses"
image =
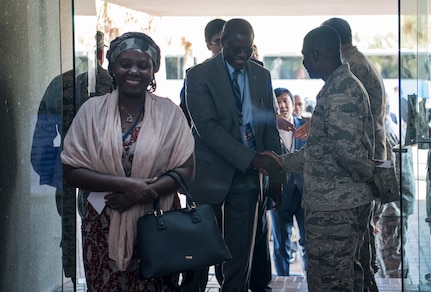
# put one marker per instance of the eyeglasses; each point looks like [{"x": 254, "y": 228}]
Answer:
[
  {"x": 215, "y": 42},
  {"x": 235, "y": 50}
]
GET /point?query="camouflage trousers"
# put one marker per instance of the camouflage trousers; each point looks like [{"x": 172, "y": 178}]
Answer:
[
  {"x": 389, "y": 246},
  {"x": 368, "y": 256},
  {"x": 333, "y": 243}
]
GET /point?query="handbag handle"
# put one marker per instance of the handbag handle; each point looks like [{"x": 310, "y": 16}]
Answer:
[{"x": 181, "y": 183}]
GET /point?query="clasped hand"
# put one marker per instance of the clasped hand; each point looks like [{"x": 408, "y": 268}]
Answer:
[
  {"x": 137, "y": 191},
  {"x": 267, "y": 162}
]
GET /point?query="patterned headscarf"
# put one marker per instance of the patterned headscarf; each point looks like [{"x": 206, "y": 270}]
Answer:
[{"x": 134, "y": 40}]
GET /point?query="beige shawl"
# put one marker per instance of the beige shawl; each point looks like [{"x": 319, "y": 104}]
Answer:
[{"x": 94, "y": 141}]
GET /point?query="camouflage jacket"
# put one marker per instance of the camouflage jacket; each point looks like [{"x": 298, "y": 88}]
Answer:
[
  {"x": 404, "y": 171},
  {"x": 103, "y": 86},
  {"x": 56, "y": 112},
  {"x": 45, "y": 156},
  {"x": 336, "y": 160},
  {"x": 362, "y": 68}
]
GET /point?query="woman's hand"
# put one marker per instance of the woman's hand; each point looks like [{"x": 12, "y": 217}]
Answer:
[
  {"x": 139, "y": 190},
  {"x": 118, "y": 201}
]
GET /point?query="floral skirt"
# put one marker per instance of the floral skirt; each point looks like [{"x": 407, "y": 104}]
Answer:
[{"x": 101, "y": 272}]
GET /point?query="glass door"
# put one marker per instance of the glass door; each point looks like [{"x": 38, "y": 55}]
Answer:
[{"x": 414, "y": 113}]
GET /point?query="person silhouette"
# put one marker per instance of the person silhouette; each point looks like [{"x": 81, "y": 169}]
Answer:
[{"x": 57, "y": 109}]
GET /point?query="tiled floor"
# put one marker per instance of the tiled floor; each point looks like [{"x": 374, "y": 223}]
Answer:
[
  {"x": 298, "y": 283},
  {"x": 284, "y": 284}
]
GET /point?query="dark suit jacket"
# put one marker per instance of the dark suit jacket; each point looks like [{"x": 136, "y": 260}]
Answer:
[
  {"x": 183, "y": 105},
  {"x": 218, "y": 146}
]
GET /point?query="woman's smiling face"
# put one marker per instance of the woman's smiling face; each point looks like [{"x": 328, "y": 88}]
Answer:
[{"x": 133, "y": 71}]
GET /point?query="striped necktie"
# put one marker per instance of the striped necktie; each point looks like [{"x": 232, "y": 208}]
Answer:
[{"x": 237, "y": 92}]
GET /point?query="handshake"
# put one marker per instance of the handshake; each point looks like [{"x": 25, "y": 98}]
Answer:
[{"x": 267, "y": 162}]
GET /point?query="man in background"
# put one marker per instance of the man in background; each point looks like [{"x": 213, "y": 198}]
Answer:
[
  {"x": 392, "y": 221},
  {"x": 89, "y": 84},
  {"x": 369, "y": 76},
  {"x": 282, "y": 217},
  {"x": 366, "y": 72},
  {"x": 298, "y": 106},
  {"x": 212, "y": 32}
]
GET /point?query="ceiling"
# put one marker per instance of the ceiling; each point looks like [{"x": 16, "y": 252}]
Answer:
[{"x": 248, "y": 7}]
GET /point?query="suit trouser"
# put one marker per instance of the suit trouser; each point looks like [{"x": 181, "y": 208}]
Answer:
[
  {"x": 236, "y": 216},
  {"x": 281, "y": 223},
  {"x": 261, "y": 275}
]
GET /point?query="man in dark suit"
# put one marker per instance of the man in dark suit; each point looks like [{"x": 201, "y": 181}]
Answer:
[{"x": 231, "y": 104}]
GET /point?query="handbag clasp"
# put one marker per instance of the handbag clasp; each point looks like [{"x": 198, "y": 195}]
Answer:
[{"x": 191, "y": 206}]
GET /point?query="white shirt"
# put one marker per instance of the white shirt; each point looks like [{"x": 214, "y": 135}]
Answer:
[{"x": 288, "y": 138}]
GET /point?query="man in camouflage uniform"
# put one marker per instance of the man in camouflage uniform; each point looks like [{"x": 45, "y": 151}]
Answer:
[
  {"x": 369, "y": 76},
  {"x": 337, "y": 166},
  {"x": 390, "y": 241},
  {"x": 57, "y": 109},
  {"x": 103, "y": 82}
]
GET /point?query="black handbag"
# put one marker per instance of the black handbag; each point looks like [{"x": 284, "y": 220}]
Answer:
[{"x": 179, "y": 240}]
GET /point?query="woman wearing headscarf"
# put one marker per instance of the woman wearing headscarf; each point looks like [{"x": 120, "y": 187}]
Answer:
[{"x": 118, "y": 147}]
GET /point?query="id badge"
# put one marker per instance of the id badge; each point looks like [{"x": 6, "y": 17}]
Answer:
[{"x": 248, "y": 136}]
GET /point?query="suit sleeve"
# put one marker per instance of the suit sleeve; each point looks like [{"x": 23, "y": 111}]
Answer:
[
  {"x": 183, "y": 105},
  {"x": 271, "y": 137}
]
